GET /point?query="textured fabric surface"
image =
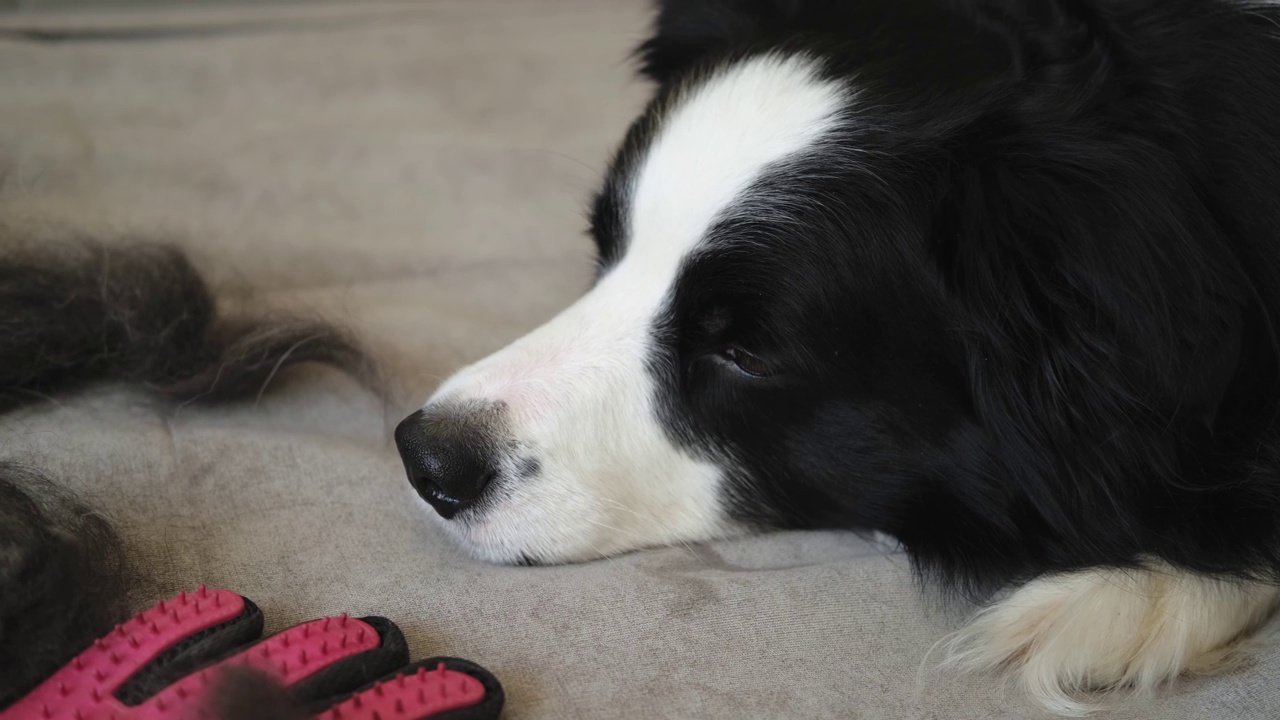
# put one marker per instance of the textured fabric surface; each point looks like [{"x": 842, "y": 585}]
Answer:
[{"x": 419, "y": 171}]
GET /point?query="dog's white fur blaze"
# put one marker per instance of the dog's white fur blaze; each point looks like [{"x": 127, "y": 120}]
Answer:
[
  {"x": 1111, "y": 629},
  {"x": 721, "y": 136},
  {"x": 578, "y": 391}
]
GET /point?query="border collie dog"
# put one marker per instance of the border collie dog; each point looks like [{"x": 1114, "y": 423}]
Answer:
[{"x": 999, "y": 279}]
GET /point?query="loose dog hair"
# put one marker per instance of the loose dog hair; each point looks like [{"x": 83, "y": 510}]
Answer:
[{"x": 79, "y": 312}]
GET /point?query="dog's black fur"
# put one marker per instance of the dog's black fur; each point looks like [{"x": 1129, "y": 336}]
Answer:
[
  {"x": 1025, "y": 315},
  {"x": 72, "y": 313}
]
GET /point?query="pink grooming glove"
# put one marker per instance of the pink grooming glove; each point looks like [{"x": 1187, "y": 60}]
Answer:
[{"x": 161, "y": 665}]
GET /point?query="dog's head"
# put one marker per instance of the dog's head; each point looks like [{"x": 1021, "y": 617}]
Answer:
[{"x": 841, "y": 284}]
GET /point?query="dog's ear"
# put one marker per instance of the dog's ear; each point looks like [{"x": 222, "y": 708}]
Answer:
[
  {"x": 1103, "y": 314},
  {"x": 687, "y": 32},
  {"x": 1043, "y": 36}
]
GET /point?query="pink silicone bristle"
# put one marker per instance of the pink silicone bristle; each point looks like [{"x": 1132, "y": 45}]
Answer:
[
  {"x": 84, "y": 689},
  {"x": 182, "y": 596},
  {"x": 342, "y": 619},
  {"x": 202, "y": 590},
  {"x": 394, "y": 699},
  {"x": 311, "y": 647}
]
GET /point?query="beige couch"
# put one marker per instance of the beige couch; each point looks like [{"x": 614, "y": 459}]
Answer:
[{"x": 419, "y": 171}]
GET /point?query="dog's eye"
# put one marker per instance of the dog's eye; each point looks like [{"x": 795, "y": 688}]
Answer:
[{"x": 747, "y": 363}]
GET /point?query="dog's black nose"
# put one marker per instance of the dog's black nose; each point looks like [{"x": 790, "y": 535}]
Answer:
[{"x": 448, "y": 464}]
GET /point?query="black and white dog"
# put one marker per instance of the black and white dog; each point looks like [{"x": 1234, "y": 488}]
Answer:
[{"x": 1000, "y": 279}]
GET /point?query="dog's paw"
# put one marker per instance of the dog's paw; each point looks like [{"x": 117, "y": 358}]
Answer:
[{"x": 1063, "y": 636}]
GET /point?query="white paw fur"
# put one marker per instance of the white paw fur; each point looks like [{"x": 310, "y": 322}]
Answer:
[{"x": 1115, "y": 630}]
